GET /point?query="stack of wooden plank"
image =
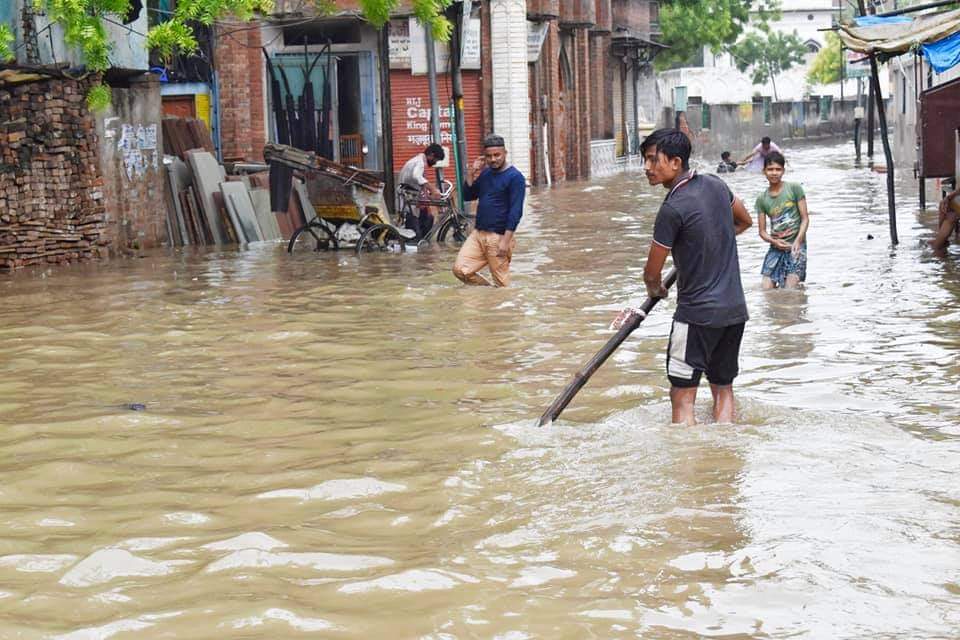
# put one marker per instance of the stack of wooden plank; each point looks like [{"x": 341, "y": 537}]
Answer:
[
  {"x": 207, "y": 207},
  {"x": 183, "y": 134}
]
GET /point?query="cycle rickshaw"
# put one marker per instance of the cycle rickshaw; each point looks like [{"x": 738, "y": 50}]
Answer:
[{"x": 341, "y": 205}]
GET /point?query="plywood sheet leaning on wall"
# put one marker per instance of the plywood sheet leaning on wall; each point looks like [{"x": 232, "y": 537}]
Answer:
[
  {"x": 207, "y": 176},
  {"x": 178, "y": 179},
  {"x": 236, "y": 197},
  {"x": 183, "y": 134},
  {"x": 267, "y": 219}
]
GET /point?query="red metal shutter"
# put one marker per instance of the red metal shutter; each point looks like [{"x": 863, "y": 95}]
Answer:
[{"x": 410, "y": 106}]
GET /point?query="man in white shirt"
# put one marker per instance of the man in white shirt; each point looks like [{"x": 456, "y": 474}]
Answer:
[
  {"x": 761, "y": 151},
  {"x": 412, "y": 176}
]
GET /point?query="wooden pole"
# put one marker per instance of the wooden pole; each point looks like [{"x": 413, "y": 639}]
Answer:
[
  {"x": 885, "y": 138},
  {"x": 871, "y": 124},
  {"x": 386, "y": 116},
  {"x": 917, "y": 75},
  {"x": 581, "y": 377}
]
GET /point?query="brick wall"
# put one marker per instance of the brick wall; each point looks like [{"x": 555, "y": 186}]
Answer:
[
  {"x": 631, "y": 14},
  {"x": 545, "y": 90},
  {"x": 51, "y": 205},
  {"x": 75, "y": 186},
  {"x": 239, "y": 64}
]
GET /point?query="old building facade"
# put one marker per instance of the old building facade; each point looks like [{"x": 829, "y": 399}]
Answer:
[{"x": 566, "y": 82}]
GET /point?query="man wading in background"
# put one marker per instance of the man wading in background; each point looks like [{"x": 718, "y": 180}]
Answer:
[
  {"x": 761, "y": 151},
  {"x": 500, "y": 188},
  {"x": 697, "y": 222}
]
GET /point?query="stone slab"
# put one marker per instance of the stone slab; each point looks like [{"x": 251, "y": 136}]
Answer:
[
  {"x": 207, "y": 176},
  {"x": 236, "y": 197},
  {"x": 179, "y": 178},
  {"x": 267, "y": 219}
]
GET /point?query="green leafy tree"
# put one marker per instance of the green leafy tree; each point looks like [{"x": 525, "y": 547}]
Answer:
[
  {"x": 6, "y": 39},
  {"x": 689, "y": 25},
  {"x": 826, "y": 67},
  {"x": 766, "y": 54}
]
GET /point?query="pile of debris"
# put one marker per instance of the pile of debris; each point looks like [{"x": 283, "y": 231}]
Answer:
[{"x": 205, "y": 206}]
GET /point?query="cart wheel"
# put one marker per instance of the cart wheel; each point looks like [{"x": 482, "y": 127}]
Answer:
[
  {"x": 312, "y": 237},
  {"x": 454, "y": 230},
  {"x": 381, "y": 237}
]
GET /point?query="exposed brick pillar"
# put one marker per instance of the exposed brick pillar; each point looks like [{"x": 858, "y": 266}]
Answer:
[
  {"x": 536, "y": 125},
  {"x": 609, "y": 69},
  {"x": 239, "y": 65},
  {"x": 601, "y": 112},
  {"x": 583, "y": 116},
  {"x": 550, "y": 84}
]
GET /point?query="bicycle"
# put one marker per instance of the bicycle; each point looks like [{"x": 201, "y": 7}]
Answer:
[{"x": 451, "y": 225}]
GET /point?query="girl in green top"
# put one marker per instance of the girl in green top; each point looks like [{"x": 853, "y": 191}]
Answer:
[{"x": 785, "y": 204}]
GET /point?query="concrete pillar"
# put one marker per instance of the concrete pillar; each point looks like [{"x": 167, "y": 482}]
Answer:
[{"x": 511, "y": 102}]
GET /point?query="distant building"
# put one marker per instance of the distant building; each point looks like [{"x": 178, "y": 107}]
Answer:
[
  {"x": 591, "y": 84},
  {"x": 715, "y": 79}
]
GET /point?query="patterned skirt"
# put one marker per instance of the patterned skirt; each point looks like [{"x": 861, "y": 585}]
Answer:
[{"x": 777, "y": 265}]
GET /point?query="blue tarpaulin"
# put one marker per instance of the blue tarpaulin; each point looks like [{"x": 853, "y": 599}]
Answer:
[
  {"x": 943, "y": 54},
  {"x": 872, "y": 21},
  {"x": 888, "y": 36}
]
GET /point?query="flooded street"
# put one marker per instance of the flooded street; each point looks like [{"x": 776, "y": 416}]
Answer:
[{"x": 343, "y": 447}]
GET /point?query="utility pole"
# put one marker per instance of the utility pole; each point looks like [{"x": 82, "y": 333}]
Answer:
[
  {"x": 460, "y": 16},
  {"x": 871, "y": 98},
  {"x": 386, "y": 117},
  {"x": 434, "y": 101},
  {"x": 870, "y": 121},
  {"x": 885, "y": 139}
]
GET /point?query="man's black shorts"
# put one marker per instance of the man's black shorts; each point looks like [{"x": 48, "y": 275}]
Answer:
[{"x": 694, "y": 349}]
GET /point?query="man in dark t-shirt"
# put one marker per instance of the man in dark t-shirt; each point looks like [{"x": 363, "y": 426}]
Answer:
[{"x": 698, "y": 223}]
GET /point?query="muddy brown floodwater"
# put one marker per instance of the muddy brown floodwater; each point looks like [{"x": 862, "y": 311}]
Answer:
[{"x": 343, "y": 447}]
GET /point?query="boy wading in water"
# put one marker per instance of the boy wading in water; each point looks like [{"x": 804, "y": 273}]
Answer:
[
  {"x": 785, "y": 204},
  {"x": 698, "y": 223}
]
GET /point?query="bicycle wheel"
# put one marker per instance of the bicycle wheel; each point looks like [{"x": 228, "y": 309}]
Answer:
[
  {"x": 312, "y": 237},
  {"x": 454, "y": 229},
  {"x": 380, "y": 237}
]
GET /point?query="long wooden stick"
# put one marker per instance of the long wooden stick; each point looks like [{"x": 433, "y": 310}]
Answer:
[{"x": 581, "y": 377}]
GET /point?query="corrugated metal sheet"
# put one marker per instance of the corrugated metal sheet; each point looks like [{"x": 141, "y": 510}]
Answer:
[
  {"x": 410, "y": 107},
  {"x": 939, "y": 121}
]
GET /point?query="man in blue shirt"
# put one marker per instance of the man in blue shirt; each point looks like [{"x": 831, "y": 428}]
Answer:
[{"x": 500, "y": 189}]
